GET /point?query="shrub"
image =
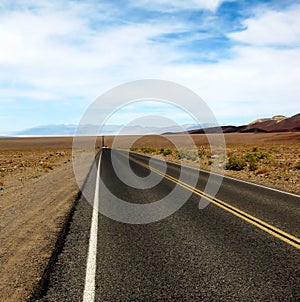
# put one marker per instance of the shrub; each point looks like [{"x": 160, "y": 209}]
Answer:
[
  {"x": 251, "y": 157},
  {"x": 148, "y": 150},
  {"x": 254, "y": 157},
  {"x": 235, "y": 163},
  {"x": 252, "y": 166},
  {"x": 201, "y": 153},
  {"x": 167, "y": 152},
  {"x": 47, "y": 166},
  {"x": 189, "y": 155}
]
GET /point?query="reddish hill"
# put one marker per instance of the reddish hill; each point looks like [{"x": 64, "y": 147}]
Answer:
[{"x": 277, "y": 123}]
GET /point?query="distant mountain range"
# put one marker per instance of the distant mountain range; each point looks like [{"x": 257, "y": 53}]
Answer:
[
  {"x": 70, "y": 130},
  {"x": 276, "y": 123}
]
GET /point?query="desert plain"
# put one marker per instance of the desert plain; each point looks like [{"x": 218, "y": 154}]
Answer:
[{"x": 38, "y": 189}]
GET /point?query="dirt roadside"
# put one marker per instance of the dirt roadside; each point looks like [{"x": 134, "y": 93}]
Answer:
[
  {"x": 271, "y": 159},
  {"x": 276, "y": 166},
  {"x": 37, "y": 191}
]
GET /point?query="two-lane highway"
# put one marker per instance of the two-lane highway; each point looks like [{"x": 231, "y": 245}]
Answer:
[{"x": 224, "y": 252}]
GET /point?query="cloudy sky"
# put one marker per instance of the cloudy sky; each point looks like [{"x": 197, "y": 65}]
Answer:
[{"x": 242, "y": 57}]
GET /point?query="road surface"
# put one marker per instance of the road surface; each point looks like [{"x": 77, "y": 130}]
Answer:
[{"x": 243, "y": 246}]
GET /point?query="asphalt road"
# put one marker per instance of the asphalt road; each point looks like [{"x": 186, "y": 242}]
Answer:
[{"x": 211, "y": 254}]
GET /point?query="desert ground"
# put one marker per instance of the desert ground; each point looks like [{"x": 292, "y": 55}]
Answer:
[
  {"x": 271, "y": 159},
  {"x": 38, "y": 189}
]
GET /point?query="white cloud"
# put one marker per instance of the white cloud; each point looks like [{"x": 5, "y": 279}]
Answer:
[
  {"x": 257, "y": 82},
  {"x": 172, "y": 5},
  {"x": 58, "y": 51},
  {"x": 269, "y": 28},
  {"x": 51, "y": 54}
]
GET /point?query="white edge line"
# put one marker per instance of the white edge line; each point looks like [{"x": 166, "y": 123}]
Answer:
[
  {"x": 89, "y": 286},
  {"x": 224, "y": 176}
]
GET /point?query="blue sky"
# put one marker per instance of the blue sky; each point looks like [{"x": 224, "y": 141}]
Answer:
[{"x": 241, "y": 57}]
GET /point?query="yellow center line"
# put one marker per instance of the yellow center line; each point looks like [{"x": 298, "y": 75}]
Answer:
[{"x": 286, "y": 237}]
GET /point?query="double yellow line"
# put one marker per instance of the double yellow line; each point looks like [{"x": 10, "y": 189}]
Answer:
[{"x": 288, "y": 238}]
